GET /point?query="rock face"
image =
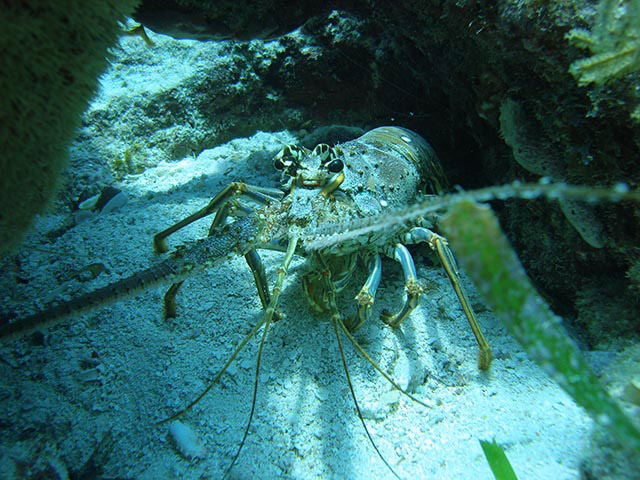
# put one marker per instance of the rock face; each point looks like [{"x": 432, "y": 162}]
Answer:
[
  {"x": 489, "y": 84},
  {"x": 230, "y": 20}
]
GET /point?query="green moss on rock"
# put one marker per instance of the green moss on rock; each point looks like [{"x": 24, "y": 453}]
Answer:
[{"x": 52, "y": 55}]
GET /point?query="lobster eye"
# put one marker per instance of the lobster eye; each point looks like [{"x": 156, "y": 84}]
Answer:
[
  {"x": 288, "y": 159},
  {"x": 335, "y": 166},
  {"x": 278, "y": 163}
]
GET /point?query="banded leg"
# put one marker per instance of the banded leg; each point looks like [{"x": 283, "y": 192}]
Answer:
[
  {"x": 367, "y": 293},
  {"x": 219, "y": 204},
  {"x": 170, "y": 300},
  {"x": 222, "y": 204},
  {"x": 259, "y": 276},
  {"x": 440, "y": 245},
  {"x": 411, "y": 285}
]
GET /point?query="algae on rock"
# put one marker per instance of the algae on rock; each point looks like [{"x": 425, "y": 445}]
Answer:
[
  {"x": 614, "y": 42},
  {"x": 52, "y": 55}
]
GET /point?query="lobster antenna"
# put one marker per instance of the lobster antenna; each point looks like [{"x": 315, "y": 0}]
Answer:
[
  {"x": 238, "y": 349},
  {"x": 336, "y": 318},
  {"x": 373, "y": 363},
  {"x": 266, "y": 319},
  {"x": 267, "y": 324},
  {"x": 333, "y": 234}
]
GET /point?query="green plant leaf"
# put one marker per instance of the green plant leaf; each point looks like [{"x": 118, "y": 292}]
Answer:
[
  {"x": 485, "y": 253},
  {"x": 498, "y": 461}
]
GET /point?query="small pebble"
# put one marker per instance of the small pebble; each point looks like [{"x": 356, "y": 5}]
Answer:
[{"x": 186, "y": 441}]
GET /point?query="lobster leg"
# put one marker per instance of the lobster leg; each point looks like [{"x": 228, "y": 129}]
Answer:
[
  {"x": 440, "y": 245},
  {"x": 412, "y": 287},
  {"x": 367, "y": 293},
  {"x": 259, "y": 275},
  {"x": 220, "y": 205},
  {"x": 219, "y": 219},
  {"x": 170, "y": 300}
]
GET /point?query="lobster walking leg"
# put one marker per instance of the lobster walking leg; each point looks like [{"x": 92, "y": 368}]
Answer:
[
  {"x": 367, "y": 293},
  {"x": 262, "y": 195},
  {"x": 412, "y": 287},
  {"x": 222, "y": 204},
  {"x": 259, "y": 275},
  {"x": 440, "y": 245}
]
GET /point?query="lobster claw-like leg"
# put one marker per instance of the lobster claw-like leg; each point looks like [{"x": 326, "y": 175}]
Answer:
[
  {"x": 440, "y": 245},
  {"x": 223, "y": 204},
  {"x": 411, "y": 285},
  {"x": 367, "y": 293}
]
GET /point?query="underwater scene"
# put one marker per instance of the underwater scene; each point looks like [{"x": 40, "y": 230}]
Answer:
[{"x": 436, "y": 201}]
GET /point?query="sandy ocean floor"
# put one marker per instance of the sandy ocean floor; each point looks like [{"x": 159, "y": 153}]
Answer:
[{"x": 118, "y": 370}]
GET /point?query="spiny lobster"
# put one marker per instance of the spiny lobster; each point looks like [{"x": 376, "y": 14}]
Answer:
[
  {"x": 381, "y": 171},
  {"x": 337, "y": 207}
]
